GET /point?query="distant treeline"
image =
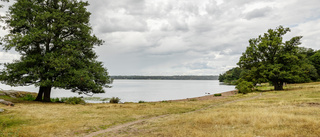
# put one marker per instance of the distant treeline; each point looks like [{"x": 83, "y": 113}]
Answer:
[{"x": 168, "y": 77}]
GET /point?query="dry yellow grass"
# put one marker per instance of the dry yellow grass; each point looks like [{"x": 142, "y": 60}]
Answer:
[
  {"x": 294, "y": 112},
  {"x": 58, "y": 119}
]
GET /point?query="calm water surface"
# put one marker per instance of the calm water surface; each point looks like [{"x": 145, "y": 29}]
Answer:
[{"x": 146, "y": 90}]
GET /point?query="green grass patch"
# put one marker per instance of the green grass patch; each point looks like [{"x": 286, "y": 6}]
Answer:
[
  {"x": 28, "y": 97},
  {"x": 216, "y": 95},
  {"x": 9, "y": 121}
]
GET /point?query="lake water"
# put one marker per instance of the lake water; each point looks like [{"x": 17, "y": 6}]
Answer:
[{"x": 146, "y": 90}]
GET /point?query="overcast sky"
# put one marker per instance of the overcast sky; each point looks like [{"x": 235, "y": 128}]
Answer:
[{"x": 189, "y": 37}]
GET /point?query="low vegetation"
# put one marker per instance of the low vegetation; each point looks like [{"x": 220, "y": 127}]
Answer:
[
  {"x": 141, "y": 101},
  {"x": 114, "y": 100},
  {"x": 292, "y": 112},
  {"x": 244, "y": 86},
  {"x": 16, "y": 96},
  {"x": 217, "y": 95}
]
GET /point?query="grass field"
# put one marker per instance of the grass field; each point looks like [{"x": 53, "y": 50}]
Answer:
[{"x": 292, "y": 112}]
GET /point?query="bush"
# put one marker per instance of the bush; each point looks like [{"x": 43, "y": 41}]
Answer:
[
  {"x": 63, "y": 99},
  {"x": 141, "y": 101},
  {"x": 244, "y": 86},
  {"x": 55, "y": 100},
  {"x": 114, "y": 100},
  {"x": 217, "y": 95},
  {"x": 28, "y": 97},
  {"x": 74, "y": 100}
]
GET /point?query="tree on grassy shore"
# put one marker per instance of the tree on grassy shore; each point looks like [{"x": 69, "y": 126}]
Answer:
[
  {"x": 270, "y": 58},
  {"x": 55, "y": 41}
]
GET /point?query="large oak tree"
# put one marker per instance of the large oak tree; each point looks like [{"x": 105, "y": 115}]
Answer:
[
  {"x": 269, "y": 57},
  {"x": 55, "y": 41}
]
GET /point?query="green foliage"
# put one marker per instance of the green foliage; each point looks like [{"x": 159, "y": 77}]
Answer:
[
  {"x": 217, "y": 95},
  {"x": 28, "y": 97},
  {"x": 63, "y": 99},
  {"x": 141, "y": 101},
  {"x": 114, "y": 100},
  {"x": 55, "y": 41},
  {"x": 244, "y": 86},
  {"x": 56, "y": 100},
  {"x": 70, "y": 100},
  {"x": 231, "y": 76},
  {"x": 270, "y": 59},
  {"x": 74, "y": 100},
  {"x": 315, "y": 60}
]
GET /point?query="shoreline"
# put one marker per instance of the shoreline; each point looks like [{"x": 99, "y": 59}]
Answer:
[
  {"x": 200, "y": 98},
  {"x": 209, "y": 97}
]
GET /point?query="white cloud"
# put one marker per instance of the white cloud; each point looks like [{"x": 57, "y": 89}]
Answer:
[{"x": 7, "y": 57}]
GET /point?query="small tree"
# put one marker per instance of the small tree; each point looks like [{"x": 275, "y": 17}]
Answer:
[
  {"x": 244, "y": 86},
  {"x": 269, "y": 58},
  {"x": 55, "y": 41}
]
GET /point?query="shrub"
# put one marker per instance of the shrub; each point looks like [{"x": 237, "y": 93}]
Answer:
[
  {"x": 63, "y": 99},
  {"x": 28, "y": 97},
  {"x": 114, "y": 100},
  {"x": 141, "y": 101},
  {"x": 217, "y": 95},
  {"x": 74, "y": 100},
  {"x": 244, "y": 86},
  {"x": 55, "y": 99}
]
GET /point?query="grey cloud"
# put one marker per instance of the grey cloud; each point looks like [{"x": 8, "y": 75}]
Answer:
[
  {"x": 258, "y": 13},
  {"x": 114, "y": 16},
  {"x": 108, "y": 25},
  {"x": 199, "y": 65},
  {"x": 135, "y": 7},
  {"x": 173, "y": 37}
]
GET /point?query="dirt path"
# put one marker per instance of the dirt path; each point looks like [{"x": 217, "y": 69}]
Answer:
[{"x": 119, "y": 127}]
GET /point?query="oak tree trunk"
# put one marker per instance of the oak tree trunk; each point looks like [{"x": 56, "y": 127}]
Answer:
[
  {"x": 278, "y": 85},
  {"x": 47, "y": 93},
  {"x": 40, "y": 94},
  {"x": 44, "y": 94}
]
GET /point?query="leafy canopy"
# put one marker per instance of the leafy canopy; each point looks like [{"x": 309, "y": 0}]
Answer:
[
  {"x": 269, "y": 58},
  {"x": 315, "y": 61},
  {"x": 55, "y": 41}
]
